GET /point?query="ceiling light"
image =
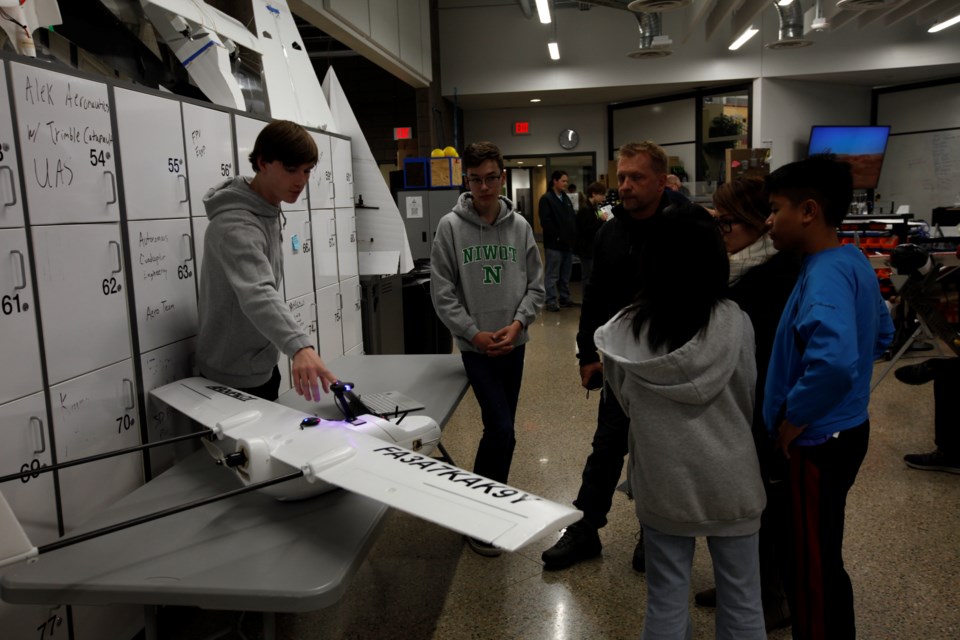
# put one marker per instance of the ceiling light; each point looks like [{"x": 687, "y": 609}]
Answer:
[
  {"x": 742, "y": 40},
  {"x": 784, "y": 3},
  {"x": 940, "y": 26},
  {"x": 519, "y": 161},
  {"x": 543, "y": 10},
  {"x": 534, "y": 99},
  {"x": 554, "y": 49}
]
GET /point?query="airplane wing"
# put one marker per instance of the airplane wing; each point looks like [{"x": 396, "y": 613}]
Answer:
[{"x": 369, "y": 462}]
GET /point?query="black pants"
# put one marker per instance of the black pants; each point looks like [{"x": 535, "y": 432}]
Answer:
[
  {"x": 496, "y": 384},
  {"x": 604, "y": 464},
  {"x": 269, "y": 390},
  {"x": 818, "y": 587},
  {"x": 946, "y": 411}
]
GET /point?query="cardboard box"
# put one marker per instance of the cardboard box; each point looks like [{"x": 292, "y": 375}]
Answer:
[{"x": 445, "y": 172}]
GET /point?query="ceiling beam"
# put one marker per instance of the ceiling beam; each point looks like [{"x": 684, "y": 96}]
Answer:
[
  {"x": 696, "y": 13},
  {"x": 940, "y": 9},
  {"x": 841, "y": 18},
  {"x": 904, "y": 11},
  {"x": 875, "y": 14},
  {"x": 743, "y": 17},
  {"x": 718, "y": 15}
]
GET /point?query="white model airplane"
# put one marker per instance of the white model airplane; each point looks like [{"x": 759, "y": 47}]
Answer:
[{"x": 294, "y": 455}]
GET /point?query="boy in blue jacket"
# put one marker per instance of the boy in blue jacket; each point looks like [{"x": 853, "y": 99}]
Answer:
[{"x": 834, "y": 326}]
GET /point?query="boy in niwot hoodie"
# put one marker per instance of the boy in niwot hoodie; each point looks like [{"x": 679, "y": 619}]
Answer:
[
  {"x": 244, "y": 322},
  {"x": 487, "y": 287}
]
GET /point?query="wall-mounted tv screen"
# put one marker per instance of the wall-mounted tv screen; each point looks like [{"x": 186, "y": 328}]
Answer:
[{"x": 862, "y": 147}]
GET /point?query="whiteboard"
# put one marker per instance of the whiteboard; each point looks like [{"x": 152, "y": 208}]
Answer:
[{"x": 922, "y": 170}]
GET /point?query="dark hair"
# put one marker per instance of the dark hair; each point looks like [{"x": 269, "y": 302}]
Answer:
[
  {"x": 595, "y": 188},
  {"x": 685, "y": 276},
  {"x": 744, "y": 198},
  {"x": 556, "y": 175},
  {"x": 479, "y": 152},
  {"x": 285, "y": 141},
  {"x": 821, "y": 178}
]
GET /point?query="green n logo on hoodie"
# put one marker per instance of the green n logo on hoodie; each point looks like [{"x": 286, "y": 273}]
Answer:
[{"x": 491, "y": 273}]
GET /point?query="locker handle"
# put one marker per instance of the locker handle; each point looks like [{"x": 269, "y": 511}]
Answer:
[
  {"x": 359, "y": 297},
  {"x": 133, "y": 401},
  {"x": 34, "y": 420},
  {"x": 13, "y": 186},
  {"x": 189, "y": 247},
  {"x": 424, "y": 236},
  {"x": 119, "y": 268},
  {"x": 186, "y": 194},
  {"x": 113, "y": 182},
  {"x": 23, "y": 272},
  {"x": 339, "y": 302},
  {"x": 313, "y": 311}
]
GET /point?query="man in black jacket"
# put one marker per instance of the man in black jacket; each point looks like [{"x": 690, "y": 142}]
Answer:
[
  {"x": 558, "y": 219},
  {"x": 616, "y": 279}
]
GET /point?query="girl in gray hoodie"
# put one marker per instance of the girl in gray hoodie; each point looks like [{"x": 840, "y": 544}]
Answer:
[{"x": 680, "y": 361}]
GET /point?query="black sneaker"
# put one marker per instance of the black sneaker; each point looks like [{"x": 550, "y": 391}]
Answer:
[
  {"x": 934, "y": 461},
  {"x": 569, "y": 303},
  {"x": 483, "y": 548},
  {"x": 579, "y": 542},
  {"x": 918, "y": 373},
  {"x": 551, "y": 307},
  {"x": 639, "y": 555}
]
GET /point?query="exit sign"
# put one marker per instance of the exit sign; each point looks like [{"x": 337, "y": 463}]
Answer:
[
  {"x": 521, "y": 128},
  {"x": 402, "y": 133}
]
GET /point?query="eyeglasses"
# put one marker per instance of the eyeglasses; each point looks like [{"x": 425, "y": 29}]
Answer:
[
  {"x": 490, "y": 181},
  {"x": 726, "y": 224}
]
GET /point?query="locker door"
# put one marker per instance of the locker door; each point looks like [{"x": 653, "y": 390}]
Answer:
[
  {"x": 321, "y": 180},
  {"x": 28, "y": 621},
  {"x": 324, "y": 248},
  {"x": 297, "y": 247},
  {"x": 95, "y": 413},
  {"x": 83, "y": 305},
  {"x": 414, "y": 209},
  {"x": 150, "y": 133},
  {"x": 351, "y": 323},
  {"x": 210, "y": 156},
  {"x": 346, "y": 220},
  {"x": 11, "y": 200},
  {"x": 247, "y": 130},
  {"x": 199, "y": 233},
  {"x": 342, "y": 172},
  {"x": 24, "y": 431},
  {"x": 164, "y": 272},
  {"x": 18, "y": 319},
  {"x": 329, "y": 314},
  {"x": 66, "y": 143},
  {"x": 163, "y": 366}
]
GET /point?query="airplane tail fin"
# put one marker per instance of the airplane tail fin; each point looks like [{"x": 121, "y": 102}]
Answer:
[{"x": 14, "y": 544}]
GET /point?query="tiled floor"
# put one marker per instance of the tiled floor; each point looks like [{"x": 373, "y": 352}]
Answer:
[{"x": 420, "y": 581}]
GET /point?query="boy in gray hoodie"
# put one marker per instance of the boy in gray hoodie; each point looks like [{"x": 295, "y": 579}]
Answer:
[
  {"x": 487, "y": 287},
  {"x": 244, "y": 322}
]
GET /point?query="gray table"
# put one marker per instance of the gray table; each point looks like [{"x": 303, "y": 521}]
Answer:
[{"x": 249, "y": 552}]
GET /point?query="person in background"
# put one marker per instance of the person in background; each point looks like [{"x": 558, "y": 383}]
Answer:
[
  {"x": 244, "y": 322},
  {"x": 835, "y": 324},
  {"x": 945, "y": 373},
  {"x": 486, "y": 288},
  {"x": 761, "y": 279},
  {"x": 589, "y": 220},
  {"x": 617, "y": 277},
  {"x": 558, "y": 219},
  {"x": 683, "y": 370}
]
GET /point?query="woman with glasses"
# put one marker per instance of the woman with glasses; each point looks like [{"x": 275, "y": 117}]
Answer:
[{"x": 760, "y": 280}]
